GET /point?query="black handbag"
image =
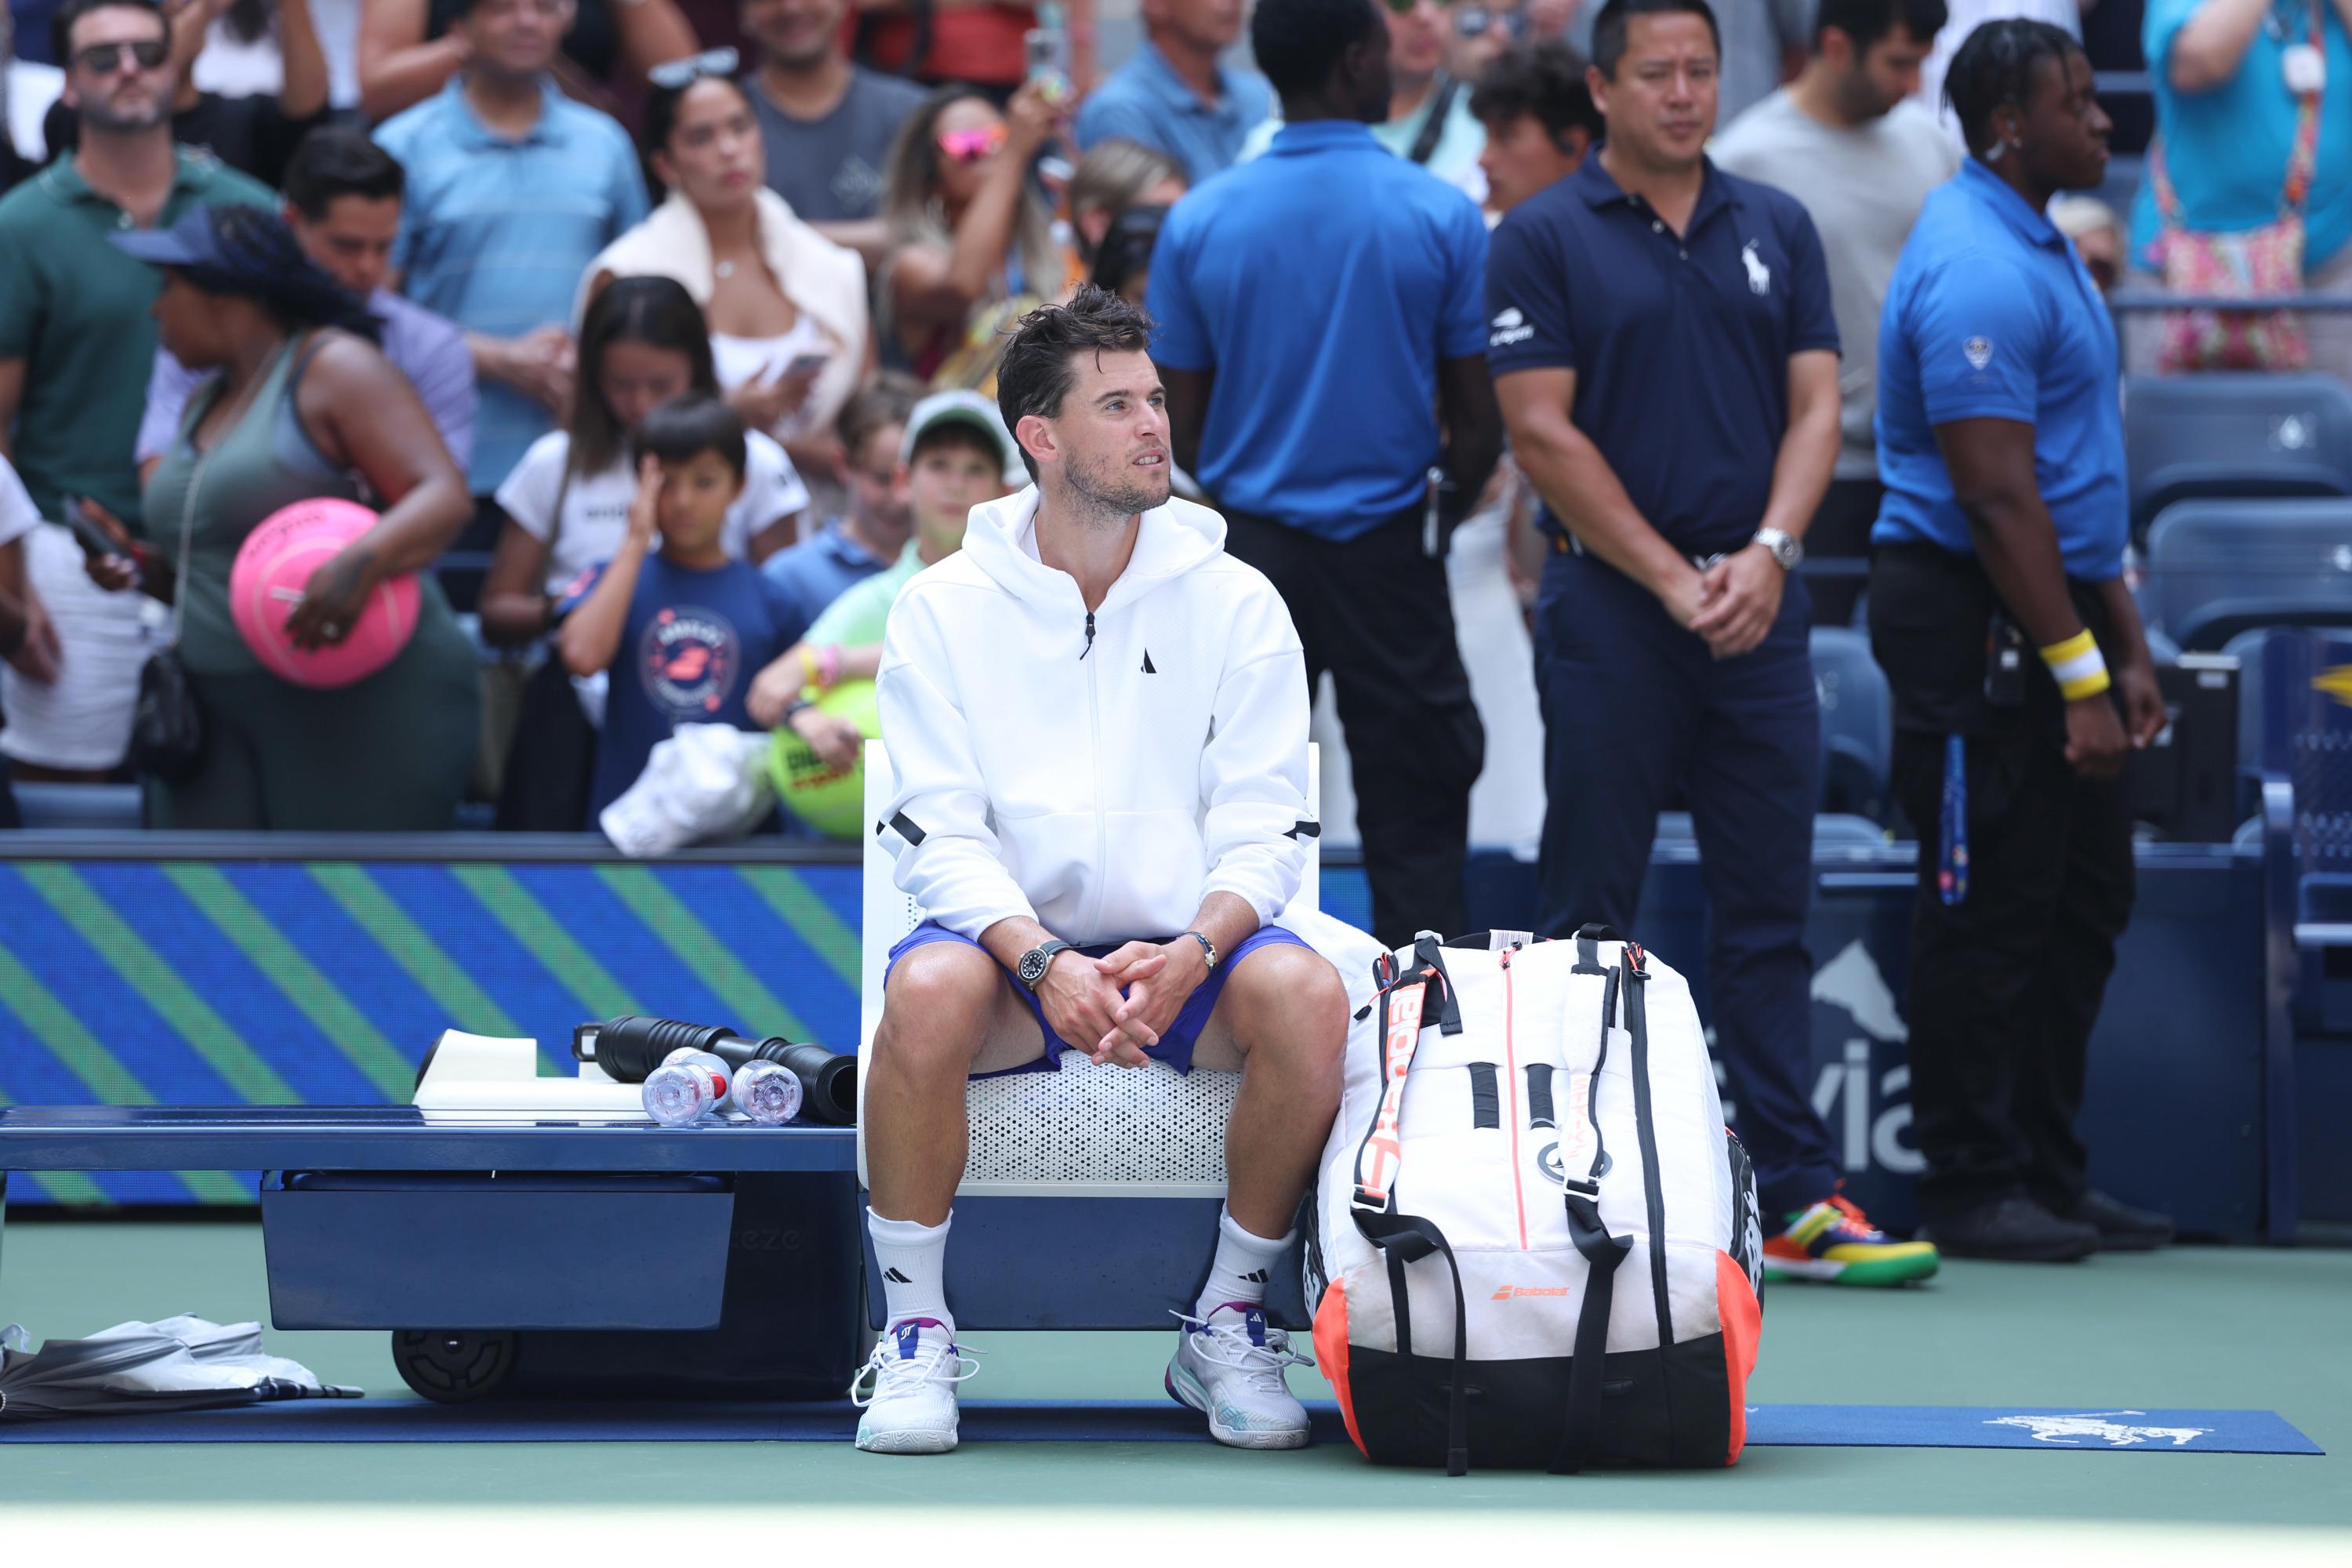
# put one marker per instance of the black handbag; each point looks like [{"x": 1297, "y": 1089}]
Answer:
[{"x": 167, "y": 727}]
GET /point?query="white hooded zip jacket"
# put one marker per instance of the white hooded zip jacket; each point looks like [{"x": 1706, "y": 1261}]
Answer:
[{"x": 1101, "y": 773}]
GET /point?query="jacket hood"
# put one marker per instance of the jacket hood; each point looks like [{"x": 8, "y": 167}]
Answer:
[{"x": 1173, "y": 540}]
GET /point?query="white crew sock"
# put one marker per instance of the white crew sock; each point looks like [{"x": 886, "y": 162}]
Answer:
[
  {"x": 1242, "y": 1266},
  {"x": 913, "y": 1260}
]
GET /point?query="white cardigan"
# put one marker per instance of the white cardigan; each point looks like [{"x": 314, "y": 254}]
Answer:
[{"x": 824, "y": 282}]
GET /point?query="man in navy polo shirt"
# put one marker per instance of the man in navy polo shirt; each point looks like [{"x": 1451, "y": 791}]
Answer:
[
  {"x": 1174, "y": 94},
  {"x": 2000, "y": 439},
  {"x": 1667, "y": 363},
  {"x": 1321, "y": 331}
]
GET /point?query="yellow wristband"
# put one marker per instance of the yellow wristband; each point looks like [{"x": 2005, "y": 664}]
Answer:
[
  {"x": 808, "y": 670},
  {"x": 2077, "y": 666}
]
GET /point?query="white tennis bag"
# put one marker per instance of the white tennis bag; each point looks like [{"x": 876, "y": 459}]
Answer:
[{"x": 1535, "y": 1242}]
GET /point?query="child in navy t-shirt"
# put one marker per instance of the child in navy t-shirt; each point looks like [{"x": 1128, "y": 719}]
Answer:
[{"x": 682, "y": 628}]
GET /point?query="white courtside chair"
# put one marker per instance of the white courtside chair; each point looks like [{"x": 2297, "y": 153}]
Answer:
[{"x": 1106, "y": 1179}]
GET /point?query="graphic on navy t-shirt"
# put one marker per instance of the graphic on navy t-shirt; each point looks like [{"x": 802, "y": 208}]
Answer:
[
  {"x": 687, "y": 659},
  {"x": 694, "y": 637}
]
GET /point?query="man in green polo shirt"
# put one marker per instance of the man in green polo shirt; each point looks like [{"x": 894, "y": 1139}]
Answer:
[{"x": 77, "y": 343}]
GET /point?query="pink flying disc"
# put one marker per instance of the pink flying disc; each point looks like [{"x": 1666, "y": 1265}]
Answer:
[{"x": 273, "y": 567}]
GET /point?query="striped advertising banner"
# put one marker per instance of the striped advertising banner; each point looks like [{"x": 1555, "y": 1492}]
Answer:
[{"x": 322, "y": 982}]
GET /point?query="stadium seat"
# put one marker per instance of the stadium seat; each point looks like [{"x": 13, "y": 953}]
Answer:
[
  {"x": 1857, "y": 723},
  {"x": 2193, "y": 436},
  {"x": 2246, "y": 648},
  {"x": 2217, "y": 568},
  {"x": 80, "y": 807}
]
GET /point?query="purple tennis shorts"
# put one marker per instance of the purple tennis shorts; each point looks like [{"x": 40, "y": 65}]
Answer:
[{"x": 1176, "y": 1042}]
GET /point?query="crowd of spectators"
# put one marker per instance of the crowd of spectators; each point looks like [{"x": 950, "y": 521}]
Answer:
[{"x": 475, "y": 263}]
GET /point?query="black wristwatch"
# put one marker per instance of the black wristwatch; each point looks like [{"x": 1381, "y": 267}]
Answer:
[{"x": 1037, "y": 961}]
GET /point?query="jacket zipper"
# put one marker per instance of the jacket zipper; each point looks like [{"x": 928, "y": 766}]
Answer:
[
  {"x": 1102, "y": 821},
  {"x": 1511, "y": 1074}
]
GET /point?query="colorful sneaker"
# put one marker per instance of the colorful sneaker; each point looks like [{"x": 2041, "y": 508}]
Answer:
[
  {"x": 1229, "y": 1365},
  {"x": 1834, "y": 1242},
  {"x": 907, "y": 1389}
]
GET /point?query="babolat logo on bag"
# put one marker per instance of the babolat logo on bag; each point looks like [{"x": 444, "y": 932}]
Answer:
[{"x": 1501, "y": 1096}]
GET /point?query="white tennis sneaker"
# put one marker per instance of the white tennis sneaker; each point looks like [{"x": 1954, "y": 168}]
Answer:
[
  {"x": 907, "y": 1389},
  {"x": 1229, "y": 1366}
]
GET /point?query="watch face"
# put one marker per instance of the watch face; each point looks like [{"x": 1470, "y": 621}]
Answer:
[{"x": 1033, "y": 967}]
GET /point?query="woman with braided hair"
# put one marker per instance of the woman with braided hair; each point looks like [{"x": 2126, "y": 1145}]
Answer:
[{"x": 303, "y": 405}]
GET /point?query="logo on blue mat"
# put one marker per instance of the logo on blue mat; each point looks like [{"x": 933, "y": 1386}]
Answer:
[{"x": 2100, "y": 1426}]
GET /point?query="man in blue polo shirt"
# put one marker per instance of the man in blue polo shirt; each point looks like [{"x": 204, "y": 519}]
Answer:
[
  {"x": 2002, "y": 443},
  {"x": 1320, "y": 333},
  {"x": 512, "y": 190},
  {"x": 1174, "y": 96},
  {"x": 1667, "y": 362}
]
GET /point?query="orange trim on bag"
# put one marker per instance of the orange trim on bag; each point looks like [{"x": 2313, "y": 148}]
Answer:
[
  {"x": 1331, "y": 1356},
  {"x": 1743, "y": 1328}
]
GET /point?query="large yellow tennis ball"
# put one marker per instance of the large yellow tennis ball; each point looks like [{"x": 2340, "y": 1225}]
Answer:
[{"x": 831, "y": 800}]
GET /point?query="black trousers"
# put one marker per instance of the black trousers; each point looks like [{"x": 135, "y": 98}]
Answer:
[
  {"x": 1637, "y": 713},
  {"x": 2005, "y": 986},
  {"x": 1376, "y": 612},
  {"x": 1839, "y": 532}
]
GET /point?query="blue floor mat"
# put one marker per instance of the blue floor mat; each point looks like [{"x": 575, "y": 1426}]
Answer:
[{"x": 1118, "y": 1421}]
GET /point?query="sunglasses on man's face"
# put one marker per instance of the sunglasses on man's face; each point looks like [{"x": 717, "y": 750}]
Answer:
[
  {"x": 105, "y": 59},
  {"x": 972, "y": 146},
  {"x": 676, "y": 74}
]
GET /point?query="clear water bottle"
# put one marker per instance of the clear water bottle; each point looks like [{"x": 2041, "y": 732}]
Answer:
[
  {"x": 709, "y": 1062},
  {"x": 681, "y": 1092},
  {"x": 767, "y": 1093}
]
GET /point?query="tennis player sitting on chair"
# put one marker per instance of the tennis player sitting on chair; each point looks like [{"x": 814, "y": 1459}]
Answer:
[{"x": 1098, "y": 720}]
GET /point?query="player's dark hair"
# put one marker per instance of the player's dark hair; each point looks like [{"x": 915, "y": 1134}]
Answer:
[
  {"x": 686, "y": 427},
  {"x": 1993, "y": 70},
  {"x": 1299, "y": 42},
  {"x": 1546, "y": 81},
  {"x": 1035, "y": 373},
  {"x": 340, "y": 160},
  {"x": 1867, "y": 21},
  {"x": 1609, "y": 27}
]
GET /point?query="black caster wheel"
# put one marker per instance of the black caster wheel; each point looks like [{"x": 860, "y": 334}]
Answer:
[{"x": 454, "y": 1366}]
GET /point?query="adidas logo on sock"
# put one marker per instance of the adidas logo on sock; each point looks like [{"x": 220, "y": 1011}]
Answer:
[
  {"x": 1257, "y": 1277},
  {"x": 895, "y": 1277}
]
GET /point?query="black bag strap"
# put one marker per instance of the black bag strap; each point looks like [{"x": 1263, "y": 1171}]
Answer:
[
  {"x": 1432, "y": 130},
  {"x": 1429, "y": 954},
  {"x": 1406, "y": 1238},
  {"x": 1588, "y": 939},
  {"x": 1588, "y": 1366}
]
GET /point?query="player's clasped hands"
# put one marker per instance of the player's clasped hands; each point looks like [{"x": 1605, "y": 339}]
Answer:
[{"x": 1122, "y": 1002}]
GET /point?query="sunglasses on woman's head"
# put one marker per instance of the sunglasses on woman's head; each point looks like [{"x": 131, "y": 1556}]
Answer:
[
  {"x": 972, "y": 146},
  {"x": 676, "y": 74},
  {"x": 105, "y": 59}
]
